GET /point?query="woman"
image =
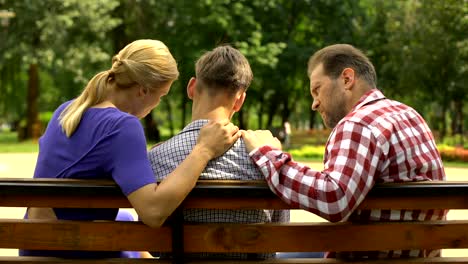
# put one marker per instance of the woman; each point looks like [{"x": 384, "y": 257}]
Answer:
[{"x": 99, "y": 135}]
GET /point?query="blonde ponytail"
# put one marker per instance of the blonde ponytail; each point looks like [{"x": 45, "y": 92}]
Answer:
[{"x": 93, "y": 93}]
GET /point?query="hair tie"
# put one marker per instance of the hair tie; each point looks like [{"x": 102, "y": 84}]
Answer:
[{"x": 116, "y": 60}]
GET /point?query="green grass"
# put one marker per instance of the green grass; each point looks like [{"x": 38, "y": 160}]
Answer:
[
  {"x": 19, "y": 147},
  {"x": 9, "y": 143},
  {"x": 456, "y": 164},
  {"x": 308, "y": 152},
  {"x": 319, "y": 158},
  {"x": 8, "y": 137}
]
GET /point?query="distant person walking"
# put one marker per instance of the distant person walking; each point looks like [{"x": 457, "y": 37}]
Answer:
[{"x": 287, "y": 134}]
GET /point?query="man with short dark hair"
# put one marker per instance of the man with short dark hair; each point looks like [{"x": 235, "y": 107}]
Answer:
[
  {"x": 374, "y": 140},
  {"x": 217, "y": 91}
]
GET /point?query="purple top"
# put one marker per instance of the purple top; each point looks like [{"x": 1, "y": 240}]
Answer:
[{"x": 107, "y": 144}]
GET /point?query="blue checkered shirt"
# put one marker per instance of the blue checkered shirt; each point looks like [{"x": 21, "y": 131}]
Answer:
[{"x": 235, "y": 164}]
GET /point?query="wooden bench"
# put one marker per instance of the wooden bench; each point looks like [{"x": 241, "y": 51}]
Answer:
[{"x": 178, "y": 237}]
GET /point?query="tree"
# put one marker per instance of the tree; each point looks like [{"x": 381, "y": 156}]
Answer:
[
  {"x": 57, "y": 33},
  {"x": 419, "y": 49},
  {"x": 429, "y": 46}
]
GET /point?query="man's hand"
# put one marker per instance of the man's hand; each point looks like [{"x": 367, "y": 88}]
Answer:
[{"x": 259, "y": 138}]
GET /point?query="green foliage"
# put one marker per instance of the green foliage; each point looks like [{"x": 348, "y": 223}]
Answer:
[
  {"x": 67, "y": 39},
  {"x": 448, "y": 153},
  {"x": 44, "y": 118},
  {"x": 455, "y": 141},
  {"x": 309, "y": 152},
  {"x": 419, "y": 48},
  {"x": 428, "y": 41}
]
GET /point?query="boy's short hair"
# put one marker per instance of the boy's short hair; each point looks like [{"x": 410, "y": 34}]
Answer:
[{"x": 223, "y": 68}]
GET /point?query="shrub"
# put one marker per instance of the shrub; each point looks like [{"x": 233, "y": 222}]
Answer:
[
  {"x": 311, "y": 152},
  {"x": 44, "y": 118},
  {"x": 449, "y": 153},
  {"x": 457, "y": 140}
]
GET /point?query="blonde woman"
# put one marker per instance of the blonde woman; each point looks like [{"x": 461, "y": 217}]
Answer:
[{"x": 99, "y": 135}]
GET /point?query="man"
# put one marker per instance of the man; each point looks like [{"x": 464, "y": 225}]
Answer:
[
  {"x": 218, "y": 91},
  {"x": 374, "y": 140}
]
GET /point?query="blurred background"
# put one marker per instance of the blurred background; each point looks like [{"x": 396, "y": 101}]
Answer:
[{"x": 49, "y": 49}]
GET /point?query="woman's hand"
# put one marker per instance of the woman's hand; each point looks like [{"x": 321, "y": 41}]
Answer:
[
  {"x": 259, "y": 138},
  {"x": 217, "y": 137}
]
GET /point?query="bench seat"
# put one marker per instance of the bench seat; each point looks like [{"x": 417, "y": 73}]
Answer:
[{"x": 179, "y": 237}]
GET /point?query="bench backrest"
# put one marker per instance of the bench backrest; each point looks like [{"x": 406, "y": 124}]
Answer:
[{"x": 179, "y": 237}]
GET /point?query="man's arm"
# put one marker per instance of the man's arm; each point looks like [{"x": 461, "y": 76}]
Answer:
[{"x": 351, "y": 159}]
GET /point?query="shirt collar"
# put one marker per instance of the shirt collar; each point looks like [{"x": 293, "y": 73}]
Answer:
[
  {"x": 369, "y": 97},
  {"x": 194, "y": 125}
]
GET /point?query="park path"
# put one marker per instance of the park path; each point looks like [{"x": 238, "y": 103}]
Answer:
[{"x": 21, "y": 165}]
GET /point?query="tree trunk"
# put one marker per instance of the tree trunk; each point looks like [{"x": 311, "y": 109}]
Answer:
[
  {"x": 260, "y": 113},
  {"x": 271, "y": 115},
  {"x": 119, "y": 36},
  {"x": 443, "y": 127},
  {"x": 184, "y": 110},
  {"x": 3, "y": 87},
  {"x": 151, "y": 129},
  {"x": 459, "y": 122},
  {"x": 170, "y": 116},
  {"x": 458, "y": 118},
  {"x": 32, "y": 129},
  {"x": 312, "y": 115},
  {"x": 185, "y": 77},
  {"x": 286, "y": 110},
  {"x": 274, "y": 103},
  {"x": 241, "y": 118}
]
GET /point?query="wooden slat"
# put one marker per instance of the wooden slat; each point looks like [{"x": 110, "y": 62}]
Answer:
[
  {"x": 455, "y": 201},
  {"x": 236, "y": 203},
  {"x": 249, "y": 238},
  {"x": 66, "y": 201},
  {"x": 63, "y": 201},
  {"x": 224, "y": 238},
  {"x": 324, "y": 236},
  {"x": 33, "y": 260},
  {"x": 82, "y": 235},
  {"x": 69, "y": 193},
  {"x": 221, "y": 188}
]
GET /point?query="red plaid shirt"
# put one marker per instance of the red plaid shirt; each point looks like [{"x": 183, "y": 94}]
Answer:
[{"x": 379, "y": 141}]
